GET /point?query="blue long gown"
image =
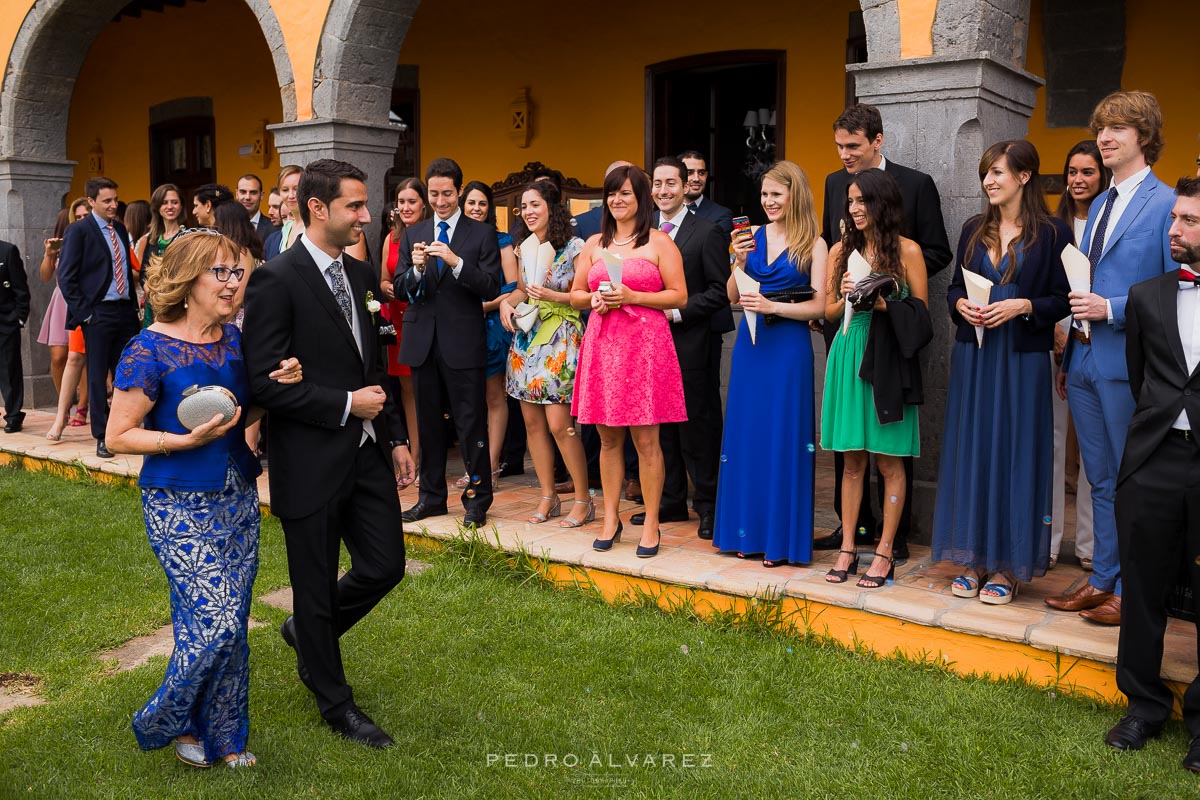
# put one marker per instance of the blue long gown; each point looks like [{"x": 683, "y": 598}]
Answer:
[
  {"x": 995, "y": 480},
  {"x": 765, "y": 486}
]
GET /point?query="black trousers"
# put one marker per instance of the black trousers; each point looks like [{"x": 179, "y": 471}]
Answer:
[
  {"x": 1158, "y": 533},
  {"x": 464, "y": 392},
  {"x": 364, "y": 513},
  {"x": 693, "y": 448},
  {"x": 12, "y": 378},
  {"x": 113, "y": 324}
]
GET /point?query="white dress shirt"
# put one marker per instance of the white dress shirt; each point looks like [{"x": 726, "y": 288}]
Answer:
[
  {"x": 254, "y": 220},
  {"x": 677, "y": 220},
  {"x": 324, "y": 262},
  {"x": 452, "y": 222},
  {"x": 1189, "y": 335}
]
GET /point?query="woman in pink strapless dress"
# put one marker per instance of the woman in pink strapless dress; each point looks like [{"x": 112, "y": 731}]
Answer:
[{"x": 628, "y": 375}]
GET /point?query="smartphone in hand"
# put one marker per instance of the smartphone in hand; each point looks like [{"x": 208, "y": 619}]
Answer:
[{"x": 742, "y": 232}]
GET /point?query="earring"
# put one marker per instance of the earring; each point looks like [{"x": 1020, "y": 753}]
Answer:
[{"x": 185, "y": 303}]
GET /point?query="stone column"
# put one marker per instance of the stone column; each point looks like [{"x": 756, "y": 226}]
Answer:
[
  {"x": 31, "y": 193},
  {"x": 370, "y": 147},
  {"x": 939, "y": 114}
]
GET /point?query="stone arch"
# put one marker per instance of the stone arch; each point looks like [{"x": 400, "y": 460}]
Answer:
[
  {"x": 47, "y": 54},
  {"x": 356, "y": 59}
]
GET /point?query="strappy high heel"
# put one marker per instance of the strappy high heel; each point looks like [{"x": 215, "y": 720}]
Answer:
[
  {"x": 877, "y": 581},
  {"x": 537, "y": 517},
  {"x": 604, "y": 545},
  {"x": 571, "y": 522},
  {"x": 840, "y": 575}
]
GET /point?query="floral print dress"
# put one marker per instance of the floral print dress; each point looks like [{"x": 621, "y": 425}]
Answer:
[{"x": 542, "y": 363}]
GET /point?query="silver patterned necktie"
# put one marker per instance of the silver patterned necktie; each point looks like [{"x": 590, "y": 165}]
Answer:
[{"x": 338, "y": 281}]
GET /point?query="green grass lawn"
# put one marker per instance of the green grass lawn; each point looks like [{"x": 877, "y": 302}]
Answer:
[{"x": 479, "y": 678}]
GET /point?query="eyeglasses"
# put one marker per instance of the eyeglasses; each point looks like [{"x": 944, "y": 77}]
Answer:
[{"x": 223, "y": 274}]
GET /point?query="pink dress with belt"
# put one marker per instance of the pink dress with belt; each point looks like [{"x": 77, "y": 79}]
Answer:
[{"x": 628, "y": 372}]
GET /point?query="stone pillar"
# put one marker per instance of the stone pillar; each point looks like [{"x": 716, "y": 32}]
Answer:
[
  {"x": 370, "y": 147},
  {"x": 939, "y": 114},
  {"x": 31, "y": 193}
]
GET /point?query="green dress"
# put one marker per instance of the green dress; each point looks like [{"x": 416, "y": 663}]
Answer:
[{"x": 848, "y": 419}]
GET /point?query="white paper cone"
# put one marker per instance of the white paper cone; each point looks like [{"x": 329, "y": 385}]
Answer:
[
  {"x": 545, "y": 257},
  {"x": 979, "y": 292},
  {"x": 1079, "y": 275},
  {"x": 613, "y": 262},
  {"x": 858, "y": 268},
  {"x": 529, "y": 258},
  {"x": 747, "y": 284}
]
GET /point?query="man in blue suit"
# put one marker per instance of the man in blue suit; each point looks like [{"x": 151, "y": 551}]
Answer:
[
  {"x": 96, "y": 279},
  {"x": 1126, "y": 241}
]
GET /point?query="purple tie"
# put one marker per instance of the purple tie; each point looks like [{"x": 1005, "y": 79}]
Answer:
[{"x": 667, "y": 227}]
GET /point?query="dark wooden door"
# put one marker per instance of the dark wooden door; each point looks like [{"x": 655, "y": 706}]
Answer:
[{"x": 182, "y": 152}]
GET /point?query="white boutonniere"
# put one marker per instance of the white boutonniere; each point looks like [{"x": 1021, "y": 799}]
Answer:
[{"x": 372, "y": 304}]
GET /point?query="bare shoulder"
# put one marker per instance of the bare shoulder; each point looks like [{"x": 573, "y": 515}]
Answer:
[
  {"x": 821, "y": 250},
  {"x": 909, "y": 248}
]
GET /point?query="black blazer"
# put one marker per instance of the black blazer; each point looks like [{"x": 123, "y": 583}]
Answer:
[
  {"x": 922, "y": 212},
  {"x": 717, "y": 214},
  {"x": 265, "y": 227},
  {"x": 14, "y": 288},
  {"x": 290, "y": 311},
  {"x": 706, "y": 271},
  {"x": 1158, "y": 374},
  {"x": 448, "y": 308},
  {"x": 85, "y": 267},
  {"x": 1042, "y": 280}
]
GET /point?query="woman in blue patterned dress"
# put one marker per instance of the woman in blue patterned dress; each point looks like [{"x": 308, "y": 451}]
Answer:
[
  {"x": 199, "y": 498},
  {"x": 477, "y": 204},
  {"x": 542, "y": 362}
]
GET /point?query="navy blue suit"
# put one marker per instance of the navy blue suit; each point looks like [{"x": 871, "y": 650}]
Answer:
[
  {"x": 587, "y": 224},
  {"x": 717, "y": 214},
  {"x": 85, "y": 273}
]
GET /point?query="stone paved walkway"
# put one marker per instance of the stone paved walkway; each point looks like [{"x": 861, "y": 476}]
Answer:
[{"x": 919, "y": 594}]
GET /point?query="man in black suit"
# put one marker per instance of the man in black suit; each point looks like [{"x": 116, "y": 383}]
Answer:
[
  {"x": 858, "y": 134},
  {"x": 693, "y": 448},
  {"x": 96, "y": 280},
  {"x": 1158, "y": 486},
  {"x": 449, "y": 265},
  {"x": 14, "y": 311},
  {"x": 249, "y": 194},
  {"x": 693, "y": 193},
  {"x": 331, "y": 436}
]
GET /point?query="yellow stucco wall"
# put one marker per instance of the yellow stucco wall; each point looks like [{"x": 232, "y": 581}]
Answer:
[
  {"x": 1166, "y": 72},
  {"x": 586, "y": 78},
  {"x": 238, "y": 75}
]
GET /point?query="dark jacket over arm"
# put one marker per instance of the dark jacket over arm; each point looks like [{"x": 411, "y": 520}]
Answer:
[
  {"x": 14, "y": 287},
  {"x": 891, "y": 363}
]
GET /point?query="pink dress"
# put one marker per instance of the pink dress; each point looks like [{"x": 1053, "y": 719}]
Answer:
[{"x": 628, "y": 372}]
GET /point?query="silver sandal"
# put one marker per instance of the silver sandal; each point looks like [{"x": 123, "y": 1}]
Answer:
[
  {"x": 244, "y": 759},
  {"x": 537, "y": 517},
  {"x": 571, "y": 522},
  {"x": 191, "y": 754}
]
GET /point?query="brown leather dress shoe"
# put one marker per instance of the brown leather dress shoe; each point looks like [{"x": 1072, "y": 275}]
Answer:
[
  {"x": 1086, "y": 596},
  {"x": 1107, "y": 613},
  {"x": 565, "y": 487},
  {"x": 633, "y": 490}
]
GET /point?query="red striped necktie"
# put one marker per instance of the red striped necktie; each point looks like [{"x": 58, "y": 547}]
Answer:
[{"x": 118, "y": 261}]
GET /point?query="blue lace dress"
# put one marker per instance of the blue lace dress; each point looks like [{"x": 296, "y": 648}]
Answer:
[
  {"x": 201, "y": 512},
  {"x": 498, "y": 339}
]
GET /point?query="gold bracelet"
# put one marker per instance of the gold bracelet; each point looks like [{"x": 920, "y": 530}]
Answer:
[{"x": 162, "y": 444}]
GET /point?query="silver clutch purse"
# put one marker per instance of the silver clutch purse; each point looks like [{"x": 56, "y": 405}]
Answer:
[
  {"x": 525, "y": 315},
  {"x": 201, "y": 403}
]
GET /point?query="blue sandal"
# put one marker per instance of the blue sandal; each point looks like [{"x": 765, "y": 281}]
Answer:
[
  {"x": 1002, "y": 593},
  {"x": 965, "y": 585}
]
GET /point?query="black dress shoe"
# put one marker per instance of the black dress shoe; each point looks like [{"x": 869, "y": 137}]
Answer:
[
  {"x": 707, "y": 523},
  {"x": 1132, "y": 733},
  {"x": 833, "y": 540},
  {"x": 1191, "y": 761},
  {"x": 507, "y": 469},
  {"x": 13, "y": 424},
  {"x": 288, "y": 631},
  {"x": 475, "y": 518},
  {"x": 663, "y": 516},
  {"x": 101, "y": 450},
  {"x": 356, "y": 726},
  {"x": 900, "y": 551},
  {"x": 423, "y": 510}
]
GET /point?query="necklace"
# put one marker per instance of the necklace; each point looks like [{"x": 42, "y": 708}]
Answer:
[{"x": 622, "y": 243}]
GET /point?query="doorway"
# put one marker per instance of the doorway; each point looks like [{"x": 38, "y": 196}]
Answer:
[
  {"x": 705, "y": 102},
  {"x": 182, "y": 144}
]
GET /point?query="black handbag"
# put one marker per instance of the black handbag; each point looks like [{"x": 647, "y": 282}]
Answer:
[
  {"x": 865, "y": 292},
  {"x": 800, "y": 294}
]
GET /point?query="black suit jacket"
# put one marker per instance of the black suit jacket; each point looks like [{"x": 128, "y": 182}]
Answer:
[
  {"x": 265, "y": 227},
  {"x": 1158, "y": 373},
  {"x": 85, "y": 268},
  {"x": 717, "y": 214},
  {"x": 1042, "y": 281},
  {"x": 706, "y": 271},
  {"x": 922, "y": 212},
  {"x": 444, "y": 307},
  {"x": 290, "y": 311},
  {"x": 14, "y": 288}
]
